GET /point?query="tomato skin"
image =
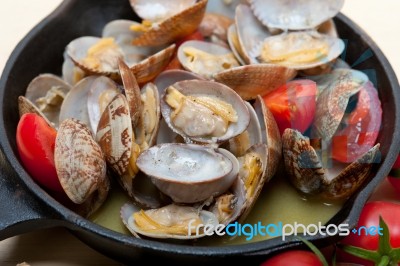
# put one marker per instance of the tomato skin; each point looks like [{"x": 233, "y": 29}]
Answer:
[
  {"x": 35, "y": 143},
  {"x": 390, "y": 212},
  {"x": 293, "y": 104},
  {"x": 362, "y": 129},
  {"x": 293, "y": 258},
  {"x": 395, "y": 182}
]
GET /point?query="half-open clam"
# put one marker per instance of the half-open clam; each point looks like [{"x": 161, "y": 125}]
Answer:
[
  {"x": 189, "y": 173},
  {"x": 308, "y": 174}
]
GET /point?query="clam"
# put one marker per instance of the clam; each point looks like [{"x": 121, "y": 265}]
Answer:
[
  {"x": 205, "y": 59},
  {"x": 335, "y": 90},
  {"x": 116, "y": 139},
  {"x": 214, "y": 28},
  {"x": 189, "y": 173},
  {"x": 250, "y": 31},
  {"x": 100, "y": 94},
  {"x": 47, "y": 92},
  {"x": 80, "y": 165},
  {"x": 224, "y": 7},
  {"x": 120, "y": 30},
  {"x": 237, "y": 203},
  {"x": 270, "y": 136},
  {"x": 71, "y": 73},
  {"x": 95, "y": 55},
  {"x": 295, "y": 15},
  {"x": 308, "y": 174},
  {"x": 25, "y": 106},
  {"x": 163, "y": 81},
  {"x": 234, "y": 44},
  {"x": 204, "y": 111},
  {"x": 252, "y": 80},
  {"x": 299, "y": 50},
  {"x": 251, "y": 136},
  {"x": 147, "y": 69},
  {"x": 171, "y": 221},
  {"x": 75, "y": 103},
  {"x": 170, "y": 24}
]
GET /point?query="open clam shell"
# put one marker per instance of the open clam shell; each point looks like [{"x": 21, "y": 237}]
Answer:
[
  {"x": 271, "y": 136},
  {"x": 226, "y": 8},
  {"x": 25, "y": 106},
  {"x": 114, "y": 134},
  {"x": 252, "y": 80},
  {"x": 120, "y": 30},
  {"x": 234, "y": 44},
  {"x": 147, "y": 69},
  {"x": 101, "y": 92},
  {"x": 80, "y": 165},
  {"x": 149, "y": 122},
  {"x": 251, "y": 136},
  {"x": 249, "y": 30},
  {"x": 295, "y": 15},
  {"x": 253, "y": 172},
  {"x": 189, "y": 173},
  {"x": 299, "y": 50},
  {"x": 214, "y": 90},
  {"x": 335, "y": 90},
  {"x": 47, "y": 92},
  {"x": 107, "y": 63},
  {"x": 165, "y": 218},
  {"x": 159, "y": 10},
  {"x": 174, "y": 27},
  {"x": 308, "y": 174},
  {"x": 205, "y": 59},
  {"x": 75, "y": 103}
]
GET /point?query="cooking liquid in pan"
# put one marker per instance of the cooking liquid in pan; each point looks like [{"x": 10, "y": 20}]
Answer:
[{"x": 278, "y": 202}]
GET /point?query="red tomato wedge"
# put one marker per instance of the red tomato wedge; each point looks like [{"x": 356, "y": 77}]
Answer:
[
  {"x": 362, "y": 127},
  {"x": 35, "y": 143},
  {"x": 293, "y": 104}
]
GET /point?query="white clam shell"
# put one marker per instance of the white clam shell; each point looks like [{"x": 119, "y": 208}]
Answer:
[
  {"x": 127, "y": 210},
  {"x": 295, "y": 15},
  {"x": 210, "y": 89},
  {"x": 189, "y": 173}
]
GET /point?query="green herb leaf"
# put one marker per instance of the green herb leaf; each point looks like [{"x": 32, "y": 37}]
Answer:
[{"x": 315, "y": 250}]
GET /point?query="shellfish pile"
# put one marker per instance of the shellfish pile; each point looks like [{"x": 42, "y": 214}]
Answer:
[{"x": 149, "y": 105}]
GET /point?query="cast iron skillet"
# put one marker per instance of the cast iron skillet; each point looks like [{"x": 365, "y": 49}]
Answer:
[{"x": 24, "y": 206}]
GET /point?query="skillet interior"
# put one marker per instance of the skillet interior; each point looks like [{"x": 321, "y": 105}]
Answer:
[{"x": 41, "y": 52}]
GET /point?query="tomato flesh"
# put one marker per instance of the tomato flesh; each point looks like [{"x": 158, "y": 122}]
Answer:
[
  {"x": 362, "y": 127},
  {"x": 293, "y": 258},
  {"x": 293, "y": 104},
  {"x": 35, "y": 143}
]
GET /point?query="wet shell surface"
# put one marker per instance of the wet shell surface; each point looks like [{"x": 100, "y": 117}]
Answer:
[
  {"x": 205, "y": 59},
  {"x": 173, "y": 28},
  {"x": 252, "y": 80},
  {"x": 101, "y": 92},
  {"x": 298, "y": 50},
  {"x": 149, "y": 68},
  {"x": 189, "y": 173},
  {"x": 114, "y": 134},
  {"x": 79, "y": 162},
  {"x": 216, "y": 91},
  {"x": 335, "y": 90},
  {"x": 75, "y": 103},
  {"x": 234, "y": 45},
  {"x": 308, "y": 174},
  {"x": 249, "y": 30},
  {"x": 171, "y": 221},
  {"x": 47, "y": 92},
  {"x": 295, "y": 15},
  {"x": 271, "y": 136}
]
